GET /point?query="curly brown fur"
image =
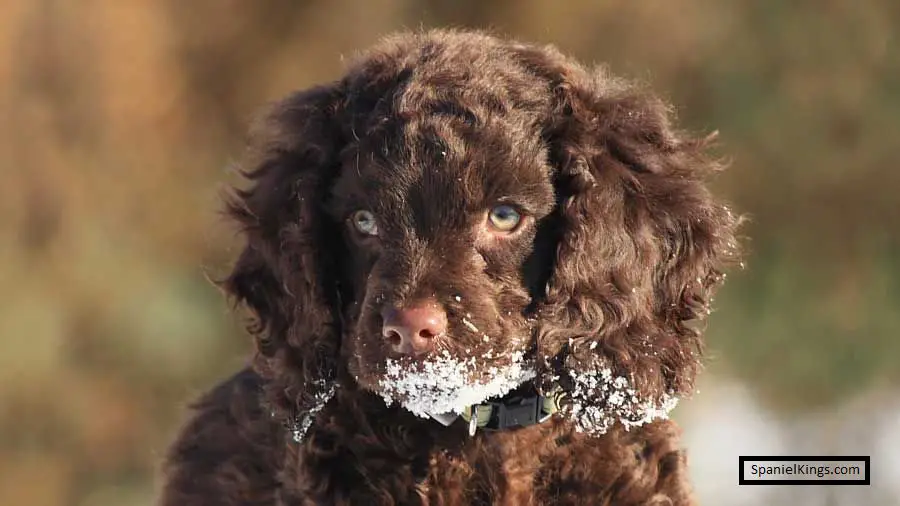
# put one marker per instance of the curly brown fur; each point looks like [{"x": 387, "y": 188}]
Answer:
[{"x": 619, "y": 251}]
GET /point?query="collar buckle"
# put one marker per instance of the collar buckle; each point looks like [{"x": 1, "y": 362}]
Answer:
[
  {"x": 519, "y": 409},
  {"x": 513, "y": 412}
]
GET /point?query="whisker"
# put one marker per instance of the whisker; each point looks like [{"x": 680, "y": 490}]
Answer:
[{"x": 469, "y": 325}]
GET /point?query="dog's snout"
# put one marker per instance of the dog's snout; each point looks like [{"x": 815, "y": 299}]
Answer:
[{"x": 411, "y": 330}]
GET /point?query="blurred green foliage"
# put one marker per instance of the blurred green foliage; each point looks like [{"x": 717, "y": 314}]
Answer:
[{"x": 120, "y": 120}]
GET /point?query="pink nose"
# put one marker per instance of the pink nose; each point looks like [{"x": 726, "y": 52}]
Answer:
[{"x": 411, "y": 330}]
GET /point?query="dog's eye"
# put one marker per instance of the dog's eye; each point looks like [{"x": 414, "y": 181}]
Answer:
[
  {"x": 364, "y": 222},
  {"x": 504, "y": 218}
]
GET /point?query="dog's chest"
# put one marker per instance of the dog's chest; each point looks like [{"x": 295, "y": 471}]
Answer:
[
  {"x": 498, "y": 469},
  {"x": 523, "y": 467}
]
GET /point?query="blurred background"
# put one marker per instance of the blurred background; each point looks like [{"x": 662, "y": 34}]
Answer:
[{"x": 119, "y": 120}]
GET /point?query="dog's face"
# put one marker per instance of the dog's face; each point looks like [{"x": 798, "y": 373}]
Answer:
[
  {"x": 442, "y": 249},
  {"x": 461, "y": 213}
]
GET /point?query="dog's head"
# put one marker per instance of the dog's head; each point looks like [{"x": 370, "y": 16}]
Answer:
[{"x": 460, "y": 214}]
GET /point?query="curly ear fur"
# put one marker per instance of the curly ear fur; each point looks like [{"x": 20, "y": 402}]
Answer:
[
  {"x": 286, "y": 274},
  {"x": 642, "y": 242}
]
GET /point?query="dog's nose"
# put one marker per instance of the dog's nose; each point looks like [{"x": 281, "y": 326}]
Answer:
[{"x": 411, "y": 330}]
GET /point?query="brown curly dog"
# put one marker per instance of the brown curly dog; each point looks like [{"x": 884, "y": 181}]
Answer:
[{"x": 475, "y": 269}]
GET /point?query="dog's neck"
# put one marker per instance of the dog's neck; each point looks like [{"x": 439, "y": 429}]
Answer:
[
  {"x": 361, "y": 444},
  {"x": 522, "y": 407}
]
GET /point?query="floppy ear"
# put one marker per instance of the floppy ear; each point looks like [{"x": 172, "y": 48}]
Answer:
[
  {"x": 286, "y": 274},
  {"x": 641, "y": 250}
]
